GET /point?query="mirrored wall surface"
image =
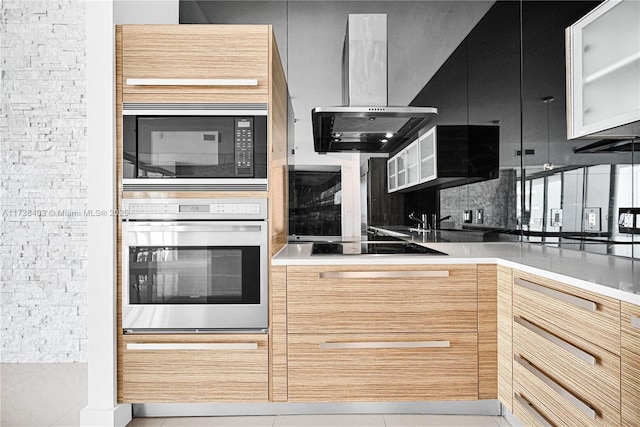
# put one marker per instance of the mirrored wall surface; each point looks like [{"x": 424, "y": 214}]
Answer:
[
  {"x": 481, "y": 63},
  {"x": 572, "y": 196}
]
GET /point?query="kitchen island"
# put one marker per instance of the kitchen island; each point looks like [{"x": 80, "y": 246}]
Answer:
[{"x": 553, "y": 334}]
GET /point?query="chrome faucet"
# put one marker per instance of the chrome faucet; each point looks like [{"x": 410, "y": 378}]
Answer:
[{"x": 422, "y": 222}]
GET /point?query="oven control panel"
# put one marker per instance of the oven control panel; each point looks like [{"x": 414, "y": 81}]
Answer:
[{"x": 236, "y": 209}]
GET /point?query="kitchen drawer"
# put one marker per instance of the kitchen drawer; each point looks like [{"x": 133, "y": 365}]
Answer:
[
  {"x": 588, "y": 371},
  {"x": 530, "y": 411},
  {"x": 233, "y": 58},
  {"x": 630, "y": 325},
  {"x": 382, "y": 298},
  {"x": 382, "y": 367},
  {"x": 195, "y": 368},
  {"x": 630, "y": 389},
  {"x": 593, "y": 317},
  {"x": 569, "y": 405}
]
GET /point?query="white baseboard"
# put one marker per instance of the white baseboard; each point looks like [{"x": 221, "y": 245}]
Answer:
[{"x": 119, "y": 416}]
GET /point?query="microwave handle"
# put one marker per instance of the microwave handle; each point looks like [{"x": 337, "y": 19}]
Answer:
[{"x": 192, "y": 82}]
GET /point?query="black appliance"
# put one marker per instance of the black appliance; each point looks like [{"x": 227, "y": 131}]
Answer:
[{"x": 213, "y": 147}]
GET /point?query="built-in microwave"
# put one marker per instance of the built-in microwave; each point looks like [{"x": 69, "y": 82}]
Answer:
[{"x": 213, "y": 147}]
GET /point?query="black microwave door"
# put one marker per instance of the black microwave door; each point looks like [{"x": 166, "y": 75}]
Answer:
[
  {"x": 129, "y": 147},
  {"x": 185, "y": 147}
]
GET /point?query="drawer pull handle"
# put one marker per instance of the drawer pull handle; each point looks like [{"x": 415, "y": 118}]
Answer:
[
  {"x": 193, "y": 346},
  {"x": 635, "y": 321},
  {"x": 380, "y": 274},
  {"x": 571, "y": 299},
  {"x": 531, "y": 410},
  {"x": 384, "y": 344},
  {"x": 579, "y": 353},
  {"x": 192, "y": 82},
  {"x": 586, "y": 409}
]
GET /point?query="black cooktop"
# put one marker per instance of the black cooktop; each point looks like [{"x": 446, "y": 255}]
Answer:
[{"x": 370, "y": 248}]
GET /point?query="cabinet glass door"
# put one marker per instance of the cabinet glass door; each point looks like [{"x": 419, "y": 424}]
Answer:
[
  {"x": 391, "y": 175},
  {"x": 607, "y": 67},
  {"x": 427, "y": 145},
  {"x": 412, "y": 164},
  {"x": 401, "y": 170}
]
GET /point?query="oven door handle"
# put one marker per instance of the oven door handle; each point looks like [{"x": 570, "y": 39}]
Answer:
[{"x": 209, "y": 227}]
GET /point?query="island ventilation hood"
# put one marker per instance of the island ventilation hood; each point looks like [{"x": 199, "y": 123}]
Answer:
[{"x": 366, "y": 124}]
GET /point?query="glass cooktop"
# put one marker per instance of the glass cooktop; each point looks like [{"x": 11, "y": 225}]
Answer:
[{"x": 370, "y": 248}]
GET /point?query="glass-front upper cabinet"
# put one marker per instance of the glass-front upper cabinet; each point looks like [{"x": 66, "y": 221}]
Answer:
[
  {"x": 427, "y": 146},
  {"x": 411, "y": 156},
  {"x": 392, "y": 182},
  {"x": 603, "y": 50}
]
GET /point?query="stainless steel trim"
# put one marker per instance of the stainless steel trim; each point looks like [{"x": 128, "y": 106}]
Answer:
[
  {"x": 635, "y": 321},
  {"x": 586, "y": 409},
  {"x": 235, "y": 210},
  {"x": 531, "y": 410},
  {"x": 192, "y": 82},
  {"x": 380, "y": 274},
  {"x": 571, "y": 299},
  {"x": 465, "y": 407},
  {"x": 199, "y": 226},
  {"x": 384, "y": 344},
  {"x": 213, "y": 106},
  {"x": 190, "y": 184},
  {"x": 202, "y": 331},
  {"x": 579, "y": 353},
  {"x": 194, "y": 109},
  {"x": 193, "y": 113},
  {"x": 193, "y": 346}
]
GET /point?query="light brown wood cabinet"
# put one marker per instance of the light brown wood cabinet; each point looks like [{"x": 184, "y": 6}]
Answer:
[
  {"x": 566, "y": 349},
  {"x": 529, "y": 409},
  {"x": 195, "y": 59},
  {"x": 382, "y": 298},
  {"x": 202, "y": 64},
  {"x": 630, "y": 323},
  {"x": 505, "y": 348},
  {"x": 382, "y": 367},
  {"x": 382, "y": 332},
  {"x": 195, "y": 368}
]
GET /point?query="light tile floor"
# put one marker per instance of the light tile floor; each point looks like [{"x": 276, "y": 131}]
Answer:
[{"x": 52, "y": 395}]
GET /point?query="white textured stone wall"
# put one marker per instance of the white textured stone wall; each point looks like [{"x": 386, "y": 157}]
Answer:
[{"x": 43, "y": 181}]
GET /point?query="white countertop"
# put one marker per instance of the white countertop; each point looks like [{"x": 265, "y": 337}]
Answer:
[{"x": 611, "y": 276}]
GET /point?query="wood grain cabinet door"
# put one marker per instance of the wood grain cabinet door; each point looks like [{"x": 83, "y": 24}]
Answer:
[
  {"x": 184, "y": 59},
  {"x": 594, "y": 317},
  {"x": 630, "y": 355},
  {"x": 382, "y": 298},
  {"x": 579, "y": 374},
  {"x": 530, "y": 411},
  {"x": 382, "y": 367},
  {"x": 195, "y": 368},
  {"x": 505, "y": 341}
]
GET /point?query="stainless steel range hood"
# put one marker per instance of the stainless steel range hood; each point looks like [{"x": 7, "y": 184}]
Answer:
[{"x": 367, "y": 124}]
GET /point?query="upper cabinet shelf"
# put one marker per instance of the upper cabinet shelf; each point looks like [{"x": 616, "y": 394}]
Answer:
[{"x": 603, "y": 72}]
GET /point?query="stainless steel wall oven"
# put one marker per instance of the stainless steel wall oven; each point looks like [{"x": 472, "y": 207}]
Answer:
[
  {"x": 194, "y": 264},
  {"x": 183, "y": 146}
]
